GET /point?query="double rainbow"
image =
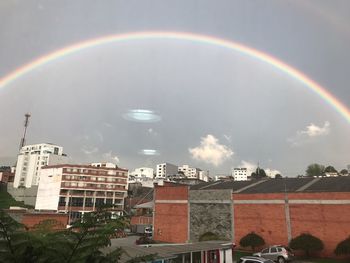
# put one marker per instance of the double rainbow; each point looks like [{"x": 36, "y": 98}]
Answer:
[{"x": 294, "y": 73}]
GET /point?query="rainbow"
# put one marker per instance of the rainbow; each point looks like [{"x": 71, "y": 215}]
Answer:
[{"x": 278, "y": 64}]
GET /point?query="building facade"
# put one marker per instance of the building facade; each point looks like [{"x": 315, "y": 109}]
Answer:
[
  {"x": 76, "y": 189},
  {"x": 32, "y": 158},
  {"x": 240, "y": 174},
  {"x": 276, "y": 209},
  {"x": 204, "y": 176},
  {"x": 141, "y": 173},
  {"x": 189, "y": 172},
  {"x": 166, "y": 169}
]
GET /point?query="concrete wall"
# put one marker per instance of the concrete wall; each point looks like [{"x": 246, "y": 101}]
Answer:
[
  {"x": 27, "y": 195},
  {"x": 210, "y": 211},
  {"x": 49, "y": 189}
]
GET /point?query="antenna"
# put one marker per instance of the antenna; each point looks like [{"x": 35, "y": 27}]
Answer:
[{"x": 26, "y": 122}]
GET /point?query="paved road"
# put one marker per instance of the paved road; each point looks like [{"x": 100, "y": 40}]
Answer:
[{"x": 127, "y": 241}]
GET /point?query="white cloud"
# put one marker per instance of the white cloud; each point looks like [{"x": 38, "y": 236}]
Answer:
[
  {"x": 210, "y": 151},
  {"x": 90, "y": 150},
  {"x": 271, "y": 172},
  {"x": 311, "y": 132},
  {"x": 110, "y": 157},
  {"x": 227, "y": 137}
]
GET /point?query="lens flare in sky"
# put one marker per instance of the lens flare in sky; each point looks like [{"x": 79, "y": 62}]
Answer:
[{"x": 142, "y": 115}]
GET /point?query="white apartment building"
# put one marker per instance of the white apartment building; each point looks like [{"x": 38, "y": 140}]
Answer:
[
  {"x": 142, "y": 173},
  {"x": 203, "y": 175},
  {"x": 76, "y": 189},
  {"x": 32, "y": 158},
  {"x": 166, "y": 169},
  {"x": 189, "y": 172},
  {"x": 240, "y": 174}
]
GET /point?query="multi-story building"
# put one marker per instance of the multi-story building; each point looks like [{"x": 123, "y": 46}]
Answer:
[
  {"x": 141, "y": 173},
  {"x": 203, "y": 175},
  {"x": 76, "y": 189},
  {"x": 166, "y": 169},
  {"x": 188, "y": 171},
  {"x": 32, "y": 158},
  {"x": 240, "y": 174}
]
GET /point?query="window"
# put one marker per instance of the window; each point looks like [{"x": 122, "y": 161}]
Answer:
[
  {"x": 273, "y": 250},
  {"x": 88, "y": 202},
  {"x": 266, "y": 250}
]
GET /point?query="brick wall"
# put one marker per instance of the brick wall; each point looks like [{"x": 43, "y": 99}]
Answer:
[
  {"x": 171, "y": 214},
  {"x": 311, "y": 214},
  {"x": 325, "y": 215},
  {"x": 32, "y": 219},
  {"x": 141, "y": 220}
]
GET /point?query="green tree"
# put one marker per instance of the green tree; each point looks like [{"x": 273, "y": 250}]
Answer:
[
  {"x": 15, "y": 243},
  {"x": 330, "y": 169},
  {"x": 344, "y": 172},
  {"x": 343, "y": 248},
  {"x": 306, "y": 242},
  {"x": 314, "y": 170},
  {"x": 80, "y": 243},
  {"x": 259, "y": 173},
  {"x": 252, "y": 240}
]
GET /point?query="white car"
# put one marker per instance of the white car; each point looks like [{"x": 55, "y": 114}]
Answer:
[{"x": 277, "y": 253}]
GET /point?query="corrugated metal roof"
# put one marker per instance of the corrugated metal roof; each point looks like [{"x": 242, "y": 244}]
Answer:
[{"x": 304, "y": 184}]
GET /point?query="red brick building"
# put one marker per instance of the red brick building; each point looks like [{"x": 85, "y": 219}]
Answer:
[{"x": 276, "y": 209}]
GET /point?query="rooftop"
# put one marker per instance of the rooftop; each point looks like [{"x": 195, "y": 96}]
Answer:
[{"x": 305, "y": 184}]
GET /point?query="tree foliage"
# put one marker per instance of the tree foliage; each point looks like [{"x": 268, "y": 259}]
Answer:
[
  {"x": 314, "y": 170},
  {"x": 343, "y": 248},
  {"x": 306, "y": 242},
  {"x": 82, "y": 242},
  {"x": 330, "y": 169},
  {"x": 252, "y": 240},
  {"x": 259, "y": 173},
  {"x": 344, "y": 172}
]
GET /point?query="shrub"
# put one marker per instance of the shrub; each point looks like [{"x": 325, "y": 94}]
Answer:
[
  {"x": 252, "y": 240},
  {"x": 343, "y": 248},
  {"x": 144, "y": 240},
  {"x": 306, "y": 242}
]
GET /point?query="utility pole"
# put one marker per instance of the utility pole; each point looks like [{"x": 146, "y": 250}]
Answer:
[{"x": 26, "y": 122}]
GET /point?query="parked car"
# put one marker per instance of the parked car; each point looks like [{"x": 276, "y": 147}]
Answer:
[
  {"x": 280, "y": 254},
  {"x": 250, "y": 259}
]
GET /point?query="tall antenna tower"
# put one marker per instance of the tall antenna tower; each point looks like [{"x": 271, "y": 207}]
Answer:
[{"x": 26, "y": 122}]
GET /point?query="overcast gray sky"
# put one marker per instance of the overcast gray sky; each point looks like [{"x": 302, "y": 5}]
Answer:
[{"x": 219, "y": 109}]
